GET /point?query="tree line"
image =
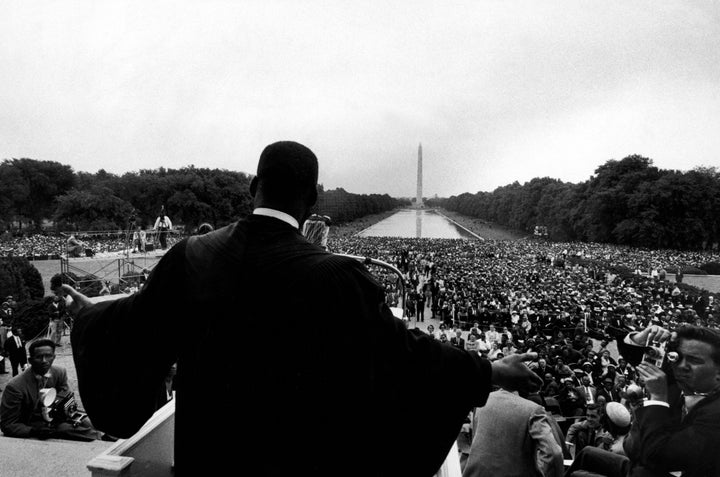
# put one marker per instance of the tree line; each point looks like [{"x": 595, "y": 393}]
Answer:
[
  {"x": 33, "y": 193},
  {"x": 626, "y": 202}
]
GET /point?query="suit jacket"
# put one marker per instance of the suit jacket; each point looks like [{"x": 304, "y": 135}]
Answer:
[
  {"x": 16, "y": 353},
  {"x": 613, "y": 395},
  {"x": 457, "y": 342},
  {"x": 19, "y": 407},
  {"x": 661, "y": 441},
  {"x": 592, "y": 390},
  {"x": 581, "y": 435},
  {"x": 348, "y": 378},
  {"x": 508, "y": 433}
]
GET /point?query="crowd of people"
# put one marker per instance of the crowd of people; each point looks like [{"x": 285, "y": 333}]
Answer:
[
  {"x": 498, "y": 298},
  {"x": 518, "y": 322},
  {"x": 526, "y": 285},
  {"x": 54, "y": 246}
]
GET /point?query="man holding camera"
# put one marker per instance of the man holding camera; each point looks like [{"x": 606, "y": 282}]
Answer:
[
  {"x": 25, "y": 410},
  {"x": 677, "y": 430}
]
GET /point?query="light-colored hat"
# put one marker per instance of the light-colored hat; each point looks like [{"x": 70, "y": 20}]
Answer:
[{"x": 618, "y": 414}]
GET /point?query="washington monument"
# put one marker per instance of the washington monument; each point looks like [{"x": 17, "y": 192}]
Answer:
[{"x": 419, "y": 200}]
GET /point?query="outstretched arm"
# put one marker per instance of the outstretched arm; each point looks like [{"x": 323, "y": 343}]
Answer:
[{"x": 131, "y": 341}]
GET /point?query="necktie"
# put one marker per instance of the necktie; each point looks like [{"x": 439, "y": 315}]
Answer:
[
  {"x": 17, "y": 342},
  {"x": 684, "y": 407}
]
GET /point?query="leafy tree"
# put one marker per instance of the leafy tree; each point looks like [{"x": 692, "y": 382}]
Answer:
[
  {"x": 14, "y": 193},
  {"x": 627, "y": 202},
  {"x": 343, "y": 206},
  {"x": 94, "y": 209},
  {"x": 38, "y": 184}
]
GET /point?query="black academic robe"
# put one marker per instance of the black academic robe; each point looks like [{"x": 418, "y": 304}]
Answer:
[{"x": 336, "y": 385}]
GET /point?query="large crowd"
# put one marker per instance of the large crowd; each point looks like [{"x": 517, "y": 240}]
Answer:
[
  {"x": 498, "y": 298},
  {"x": 566, "y": 302},
  {"x": 547, "y": 285},
  {"x": 53, "y": 246}
]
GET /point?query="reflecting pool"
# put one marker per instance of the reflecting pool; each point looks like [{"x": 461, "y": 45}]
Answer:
[{"x": 417, "y": 223}]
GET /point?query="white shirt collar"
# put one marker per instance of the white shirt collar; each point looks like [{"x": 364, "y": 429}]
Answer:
[{"x": 287, "y": 218}]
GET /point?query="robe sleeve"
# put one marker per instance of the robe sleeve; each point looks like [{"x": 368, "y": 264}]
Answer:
[{"x": 123, "y": 349}]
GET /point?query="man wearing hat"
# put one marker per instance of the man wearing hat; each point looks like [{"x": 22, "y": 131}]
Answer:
[
  {"x": 356, "y": 406},
  {"x": 608, "y": 391}
]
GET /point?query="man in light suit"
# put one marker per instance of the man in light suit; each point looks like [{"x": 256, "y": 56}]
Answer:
[
  {"x": 514, "y": 437},
  {"x": 261, "y": 275}
]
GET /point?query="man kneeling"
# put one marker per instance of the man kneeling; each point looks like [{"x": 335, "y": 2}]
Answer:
[{"x": 38, "y": 402}]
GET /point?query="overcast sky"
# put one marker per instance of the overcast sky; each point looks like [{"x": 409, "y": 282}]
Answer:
[{"x": 495, "y": 91}]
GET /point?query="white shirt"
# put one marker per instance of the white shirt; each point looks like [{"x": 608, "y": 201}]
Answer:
[
  {"x": 157, "y": 222},
  {"x": 287, "y": 218}
]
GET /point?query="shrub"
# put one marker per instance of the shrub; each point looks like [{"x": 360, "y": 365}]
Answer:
[
  {"x": 33, "y": 316},
  {"x": 19, "y": 278},
  {"x": 711, "y": 268},
  {"x": 690, "y": 270}
]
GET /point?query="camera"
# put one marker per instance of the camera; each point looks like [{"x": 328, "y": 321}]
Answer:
[
  {"x": 65, "y": 409},
  {"x": 656, "y": 353}
]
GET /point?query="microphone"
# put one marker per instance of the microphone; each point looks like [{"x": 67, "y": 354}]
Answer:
[{"x": 316, "y": 230}]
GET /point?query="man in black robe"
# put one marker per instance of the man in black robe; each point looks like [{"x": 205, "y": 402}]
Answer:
[{"x": 343, "y": 388}]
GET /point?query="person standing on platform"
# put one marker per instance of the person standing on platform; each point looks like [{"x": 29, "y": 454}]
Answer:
[
  {"x": 368, "y": 392},
  {"x": 162, "y": 226},
  {"x": 139, "y": 239}
]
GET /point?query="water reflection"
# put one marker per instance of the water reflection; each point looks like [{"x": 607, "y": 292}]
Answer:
[{"x": 419, "y": 223}]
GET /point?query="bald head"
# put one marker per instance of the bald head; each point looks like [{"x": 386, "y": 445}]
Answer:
[{"x": 286, "y": 179}]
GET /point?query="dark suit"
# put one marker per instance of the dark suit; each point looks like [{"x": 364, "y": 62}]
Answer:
[
  {"x": 335, "y": 393},
  {"x": 16, "y": 354},
  {"x": 611, "y": 395},
  {"x": 19, "y": 411},
  {"x": 457, "y": 342},
  {"x": 661, "y": 441}
]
